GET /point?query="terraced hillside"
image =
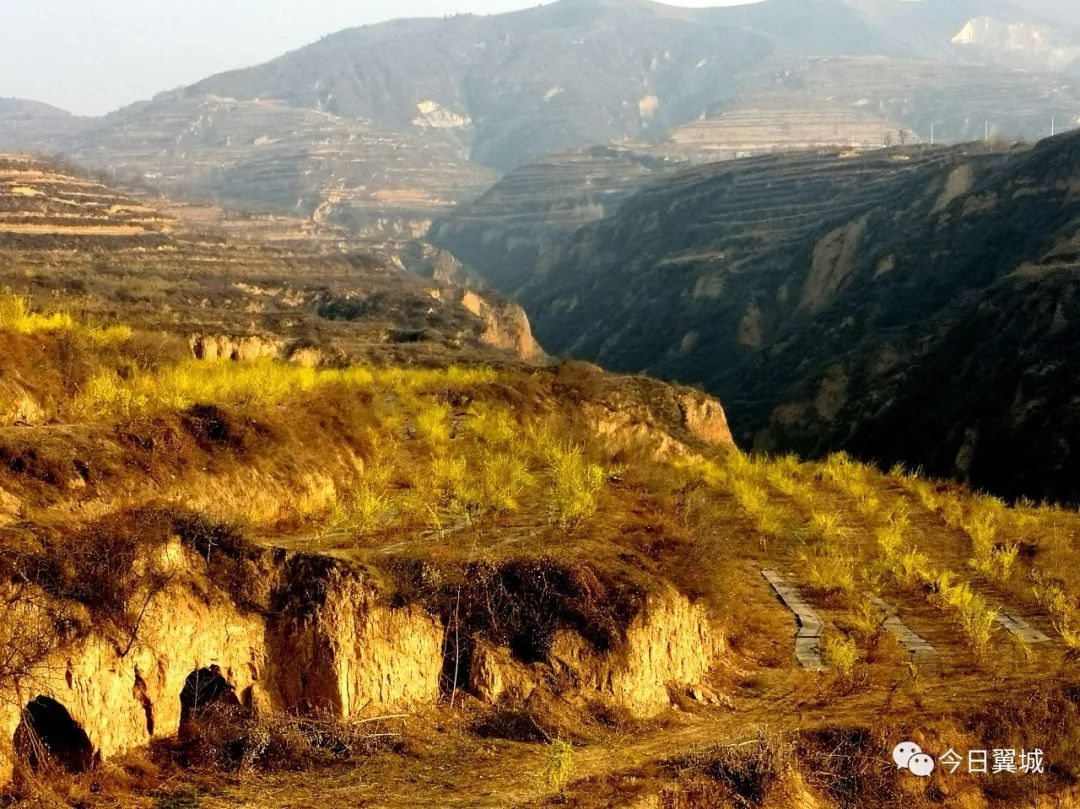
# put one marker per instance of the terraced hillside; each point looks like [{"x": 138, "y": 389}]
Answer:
[
  {"x": 815, "y": 292},
  {"x": 852, "y": 102},
  {"x": 778, "y": 123},
  {"x": 296, "y": 160},
  {"x": 502, "y": 234},
  {"x": 109, "y": 255},
  {"x": 413, "y": 256},
  {"x": 252, "y": 583},
  {"x": 40, "y": 204},
  {"x": 385, "y": 127},
  {"x": 963, "y": 103}
]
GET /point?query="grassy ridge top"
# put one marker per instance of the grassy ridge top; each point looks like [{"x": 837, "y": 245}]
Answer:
[
  {"x": 517, "y": 502},
  {"x": 474, "y": 448}
]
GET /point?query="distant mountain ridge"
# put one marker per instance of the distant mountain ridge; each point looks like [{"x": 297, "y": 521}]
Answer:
[
  {"x": 23, "y": 121},
  {"x": 393, "y": 125}
]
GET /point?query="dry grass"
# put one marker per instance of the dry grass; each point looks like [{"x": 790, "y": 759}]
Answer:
[
  {"x": 751, "y": 773},
  {"x": 840, "y": 653},
  {"x": 17, "y": 315},
  {"x": 853, "y": 480},
  {"x": 262, "y": 383},
  {"x": 227, "y": 737},
  {"x": 576, "y": 482}
]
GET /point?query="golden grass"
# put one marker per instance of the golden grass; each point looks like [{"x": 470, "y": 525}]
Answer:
[
  {"x": 830, "y": 570},
  {"x": 841, "y": 653},
  {"x": 972, "y": 613},
  {"x": 16, "y": 315},
  {"x": 437, "y": 466},
  {"x": 746, "y": 481},
  {"x": 576, "y": 483},
  {"x": 260, "y": 383},
  {"x": 855, "y": 481},
  {"x": 1060, "y": 606},
  {"x": 753, "y": 499},
  {"x": 486, "y": 459},
  {"x": 433, "y": 423}
]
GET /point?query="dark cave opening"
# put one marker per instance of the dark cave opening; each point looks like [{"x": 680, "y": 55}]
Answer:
[{"x": 48, "y": 735}]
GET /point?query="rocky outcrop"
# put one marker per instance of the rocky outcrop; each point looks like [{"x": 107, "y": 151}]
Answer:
[
  {"x": 238, "y": 348},
  {"x": 670, "y": 647},
  {"x": 671, "y": 421},
  {"x": 505, "y": 325},
  {"x": 704, "y": 417},
  {"x": 1023, "y": 45}
]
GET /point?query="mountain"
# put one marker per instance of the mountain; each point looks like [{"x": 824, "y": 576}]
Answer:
[
  {"x": 230, "y": 288},
  {"x": 23, "y": 121},
  {"x": 515, "y": 85},
  {"x": 912, "y": 305},
  {"x": 502, "y": 234},
  {"x": 384, "y": 128},
  {"x": 241, "y": 578}
]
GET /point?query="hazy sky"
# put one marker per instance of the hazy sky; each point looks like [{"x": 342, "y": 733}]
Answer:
[{"x": 92, "y": 56}]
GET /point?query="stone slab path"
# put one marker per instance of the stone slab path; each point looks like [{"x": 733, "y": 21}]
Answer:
[
  {"x": 1019, "y": 628},
  {"x": 808, "y": 637},
  {"x": 923, "y": 654}
]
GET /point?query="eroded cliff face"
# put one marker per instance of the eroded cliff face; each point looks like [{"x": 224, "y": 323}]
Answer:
[
  {"x": 827, "y": 324},
  {"x": 356, "y": 655},
  {"x": 491, "y": 321},
  {"x": 1018, "y": 44},
  {"x": 505, "y": 325},
  {"x": 670, "y": 421},
  {"x": 239, "y": 348},
  {"x": 325, "y": 642},
  {"x": 671, "y": 645},
  {"x": 125, "y": 687}
]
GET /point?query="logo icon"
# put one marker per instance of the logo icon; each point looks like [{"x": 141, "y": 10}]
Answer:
[
  {"x": 909, "y": 756},
  {"x": 903, "y": 752},
  {"x": 921, "y": 765}
]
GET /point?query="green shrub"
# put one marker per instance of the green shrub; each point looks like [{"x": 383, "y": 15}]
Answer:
[
  {"x": 576, "y": 484},
  {"x": 840, "y": 653},
  {"x": 558, "y": 766},
  {"x": 433, "y": 423}
]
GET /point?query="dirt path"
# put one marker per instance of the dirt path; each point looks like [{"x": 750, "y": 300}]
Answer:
[{"x": 457, "y": 770}]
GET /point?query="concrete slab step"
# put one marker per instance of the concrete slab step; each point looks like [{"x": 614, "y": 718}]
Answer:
[
  {"x": 921, "y": 651},
  {"x": 1019, "y": 628},
  {"x": 808, "y": 635}
]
